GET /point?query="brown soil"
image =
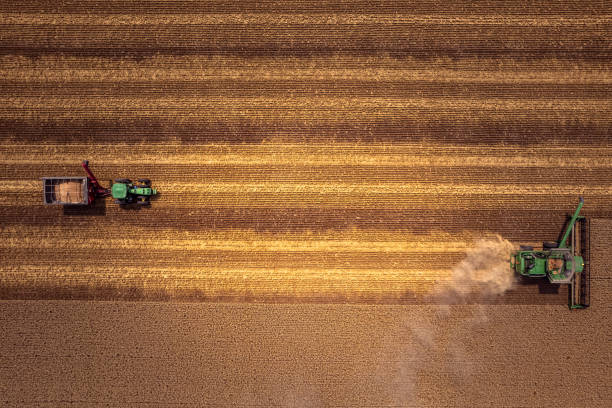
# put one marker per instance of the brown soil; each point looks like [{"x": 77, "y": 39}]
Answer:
[
  {"x": 74, "y": 353},
  {"x": 306, "y": 156}
]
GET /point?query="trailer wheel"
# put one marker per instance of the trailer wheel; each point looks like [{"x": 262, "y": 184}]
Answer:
[
  {"x": 526, "y": 248},
  {"x": 123, "y": 181},
  {"x": 549, "y": 245}
]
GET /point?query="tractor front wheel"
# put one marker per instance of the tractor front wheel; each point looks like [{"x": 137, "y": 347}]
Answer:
[
  {"x": 145, "y": 181},
  {"x": 123, "y": 181}
]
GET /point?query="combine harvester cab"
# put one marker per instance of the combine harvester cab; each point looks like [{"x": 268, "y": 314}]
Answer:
[{"x": 565, "y": 262}]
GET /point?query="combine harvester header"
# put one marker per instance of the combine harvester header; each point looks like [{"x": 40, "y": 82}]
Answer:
[{"x": 564, "y": 262}]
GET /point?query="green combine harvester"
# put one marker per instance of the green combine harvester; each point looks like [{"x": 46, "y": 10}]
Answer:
[{"x": 565, "y": 262}]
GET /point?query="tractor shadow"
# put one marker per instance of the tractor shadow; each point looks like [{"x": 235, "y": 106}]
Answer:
[
  {"x": 136, "y": 207},
  {"x": 97, "y": 209}
]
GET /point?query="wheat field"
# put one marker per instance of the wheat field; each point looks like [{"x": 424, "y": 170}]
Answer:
[{"x": 323, "y": 168}]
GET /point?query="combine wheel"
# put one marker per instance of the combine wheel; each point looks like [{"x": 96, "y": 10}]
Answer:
[
  {"x": 526, "y": 248},
  {"x": 123, "y": 181},
  {"x": 549, "y": 245},
  {"x": 146, "y": 182}
]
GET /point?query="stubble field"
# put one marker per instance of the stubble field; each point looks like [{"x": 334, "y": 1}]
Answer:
[{"x": 333, "y": 162}]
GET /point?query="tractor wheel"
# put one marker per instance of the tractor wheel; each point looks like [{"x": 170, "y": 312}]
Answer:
[
  {"x": 123, "y": 181},
  {"x": 146, "y": 182},
  {"x": 525, "y": 248},
  {"x": 549, "y": 245}
]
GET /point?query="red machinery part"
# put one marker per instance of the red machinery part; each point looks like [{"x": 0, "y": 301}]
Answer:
[{"x": 95, "y": 189}]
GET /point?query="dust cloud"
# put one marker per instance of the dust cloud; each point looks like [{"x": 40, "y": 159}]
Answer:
[
  {"x": 437, "y": 341},
  {"x": 484, "y": 272}
]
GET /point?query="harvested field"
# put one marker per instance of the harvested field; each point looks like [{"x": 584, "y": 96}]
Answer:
[
  {"x": 313, "y": 355},
  {"x": 307, "y": 155}
]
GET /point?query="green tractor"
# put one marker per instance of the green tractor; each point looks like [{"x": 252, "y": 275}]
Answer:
[
  {"x": 125, "y": 192},
  {"x": 564, "y": 262}
]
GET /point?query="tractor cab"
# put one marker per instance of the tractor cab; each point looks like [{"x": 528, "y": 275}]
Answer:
[{"x": 119, "y": 191}]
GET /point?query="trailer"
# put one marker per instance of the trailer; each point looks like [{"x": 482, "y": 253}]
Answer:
[
  {"x": 73, "y": 190},
  {"x": 66, "y": 190}
]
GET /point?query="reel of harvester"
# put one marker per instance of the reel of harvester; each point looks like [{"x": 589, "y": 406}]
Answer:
[{"x": 563, "y": 262}]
